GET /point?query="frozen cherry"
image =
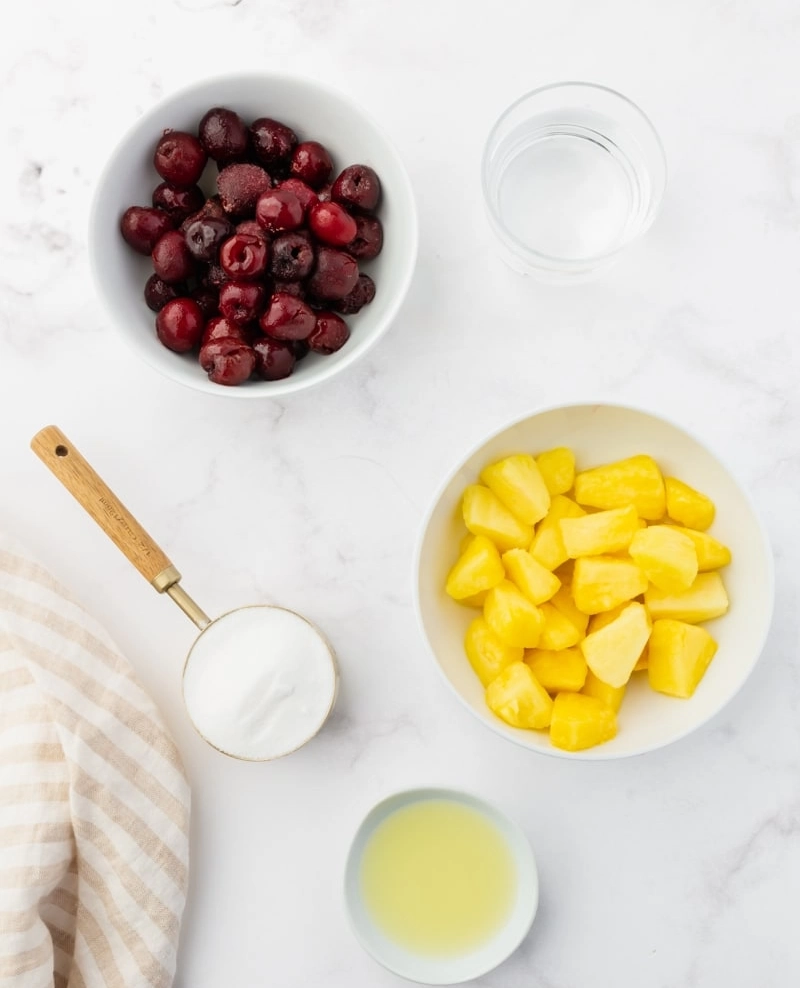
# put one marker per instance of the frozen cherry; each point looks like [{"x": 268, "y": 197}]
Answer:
[
  {"x": 331, "y": 224},
  {"x": 279, "y": 210},
  {"x": 304, "y": 193},
  {"x": 178, "y": 202},
  {"x": 228, "y": 361},
  {"x": 287, "y": 318},
  {"x": 142, "y": 227},
  {"x": 274, "y": 359},
  {"x": 205, "y": 236},
  {"x": 220, "y": 328},
  {"x": 311, "y": 163},
  {"x": 211, "y": 209},
  {"x": 207, "y": 299},
  {"x": 214, "y": 277},
  {"x": 157, "y": 293},
  {"x": 243, "y": 256},
  {"x": 241, "y": 302},
  {"x": 179, "y": 158},
  {"x": 252, "y": 228},
  {"x": 361, "y": 295},
  {"x": 296, "y": 288},
  {"x": 171, "y": 258},
  {"x": 368, "y": 240},
  {"x": 292, "y": 256},
  {"x": 330, "y": 333},
  {"x": 272, "y": 141},
  {"x": 180, "y": 324},
  {"x": 335, "y": 275},
  {"x": 224, "y": 135},
  {"x": 240, "y": 186},
  {"x": 358, "y": 187}
]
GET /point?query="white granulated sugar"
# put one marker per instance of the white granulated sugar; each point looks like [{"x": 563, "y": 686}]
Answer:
[{"x": 259, "y": 682}]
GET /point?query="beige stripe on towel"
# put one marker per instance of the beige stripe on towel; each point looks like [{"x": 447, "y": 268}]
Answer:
[{"x": 94, "y": 803}]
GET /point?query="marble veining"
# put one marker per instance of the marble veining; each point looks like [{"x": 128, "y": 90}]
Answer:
[{"x": 680, "y": 869}]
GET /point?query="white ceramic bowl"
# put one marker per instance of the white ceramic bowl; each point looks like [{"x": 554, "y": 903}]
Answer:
[
  {"x": 599, "y": 434},
  {"x": 459, "y": 968},
  {"x": 317, "y": 113}
]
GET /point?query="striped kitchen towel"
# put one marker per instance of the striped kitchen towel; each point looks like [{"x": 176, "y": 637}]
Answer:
[{"x": 94, "y": 803}]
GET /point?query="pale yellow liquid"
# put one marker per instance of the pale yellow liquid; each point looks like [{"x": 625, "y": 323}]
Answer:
[{"x": 438, "y": 877}]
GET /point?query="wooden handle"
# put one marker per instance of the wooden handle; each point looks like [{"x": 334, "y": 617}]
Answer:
[{"x": 66, "y": 463}]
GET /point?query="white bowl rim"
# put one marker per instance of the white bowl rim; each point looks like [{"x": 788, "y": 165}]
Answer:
[
  {"x": 598, "y": 753},
  {"x": 485, "y": 806},
  {"x": 291, "y": 384}
]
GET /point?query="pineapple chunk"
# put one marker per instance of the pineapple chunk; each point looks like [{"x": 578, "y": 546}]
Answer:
[
  {"x": 564, "y": 602},
  {"x": 516, "y": 480},
  {"x": 558, "y": 672},
  {"x": 518, "y": 698},
  {"x": 635, "y": 481},
  {"x": 478, "y": 568},
  {"x": 547, "y": 545},
  {"x": 611, "y": 696},
  {"x": 557, "y": 467},
  {"x": 537, "y": 583},
  {"x": 512, "y": 617},
  {"x": 558, "y": 631},
  {"x": 601, "y": 533},
  {"x": 679, "y": 656},
  {"x": 612, "y": 652},
  {"x": 704, "y": 600},
  {"x": 602, "y": 583},
  {"x": 604, "y": 618},
  {"x": 711, "y": 554},
  {"x": 485, "y": 514},
  {"x": 666, "y": 556},
  {"x": 487, "y": 655},
  {"x": 579, "y": 721},
  {"x": 687, "y": 506}
]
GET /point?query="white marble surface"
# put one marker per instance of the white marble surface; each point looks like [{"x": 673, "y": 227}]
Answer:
[{"x": 678, "y": 868}]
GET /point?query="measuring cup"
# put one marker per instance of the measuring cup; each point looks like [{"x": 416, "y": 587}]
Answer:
[{"x": 259, "y": 681}]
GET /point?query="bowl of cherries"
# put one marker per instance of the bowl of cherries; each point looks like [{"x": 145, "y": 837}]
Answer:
[{"x": 253, "y": 235}]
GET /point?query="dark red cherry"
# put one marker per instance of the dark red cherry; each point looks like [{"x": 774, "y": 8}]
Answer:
[
  {"x": 171, "y": 258},
  {"x": 223, "y": 134},
  {"x": 335, "y": 274},
  {"x": 311, "y": 163},
  {"x": 243, "y": 256},
  {"x": 330, "y": 333},
  {"x": 142, "y": 227},
  {"x": 240, "y": 186},
  {"x": 180, "y": 324},
  {"x": 287, "y": 318},
  {"x": 241, "y": 302},
  {"x": 368, "y": 240},
  {"x": 357, "y": 187},
  {"x": 274, "y": 359},
  {"x": 272, "y": 141},
  {"x": 179, "y": 158},
  {"x": 178, "y": 202},
  {"x": 228, "y": 361}
]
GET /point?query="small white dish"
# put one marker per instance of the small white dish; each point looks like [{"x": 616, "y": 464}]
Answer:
[
  {"x": 602, "y": 433},
  {"x": 449, "y": 970},
  {"x": 317, "y": 112}
]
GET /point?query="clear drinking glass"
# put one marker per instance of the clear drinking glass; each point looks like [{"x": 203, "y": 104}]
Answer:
[{"x": 572, "y": 174}]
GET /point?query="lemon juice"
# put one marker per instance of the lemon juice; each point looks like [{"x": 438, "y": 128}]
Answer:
[{"x": 438, "y": 877}]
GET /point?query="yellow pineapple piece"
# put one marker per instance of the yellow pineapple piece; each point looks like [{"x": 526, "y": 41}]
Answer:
[
  {"x": 611, "y": 696},
  {"x": 558, "y": 631},
  {"x": 478, "y": 568},
  {"x": 487, "y": 655},
  {"x": 518, "y": 698},
  {"x": 512, "y": 617},
  {"x": 516, "y": 480},
  {"x": 557, "y": 467},
  {"x": 679, "y": 656},
  {"x": 600, "y": 533},
  {"x": 604, "y": 618},
  {"x": 704, "y": 600},
  {"x": 485, "y": 514},
  {"x": 563, "y": 601},
  {"x": 475, "y": 600},
  {"x": 687, "y": 506},
  {"x": 603, "y": 582},
  {"x": 612, "y": 652},
  {"x": 666, "y": 556},
  {"x": 537, "y": 583},
  {"x": 711, "y": 554},
  {"x": 547, "y": 545},
  {"x": 558, "y": 672},
  {"x": 635, "y": 481},
  {"x": 579, "y": 721}
]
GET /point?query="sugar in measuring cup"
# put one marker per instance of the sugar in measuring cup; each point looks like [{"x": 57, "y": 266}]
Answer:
[{"x": 259, "y": 681}]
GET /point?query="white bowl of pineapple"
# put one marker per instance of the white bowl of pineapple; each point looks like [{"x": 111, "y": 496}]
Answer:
[{"x": 593, "y": 582}]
